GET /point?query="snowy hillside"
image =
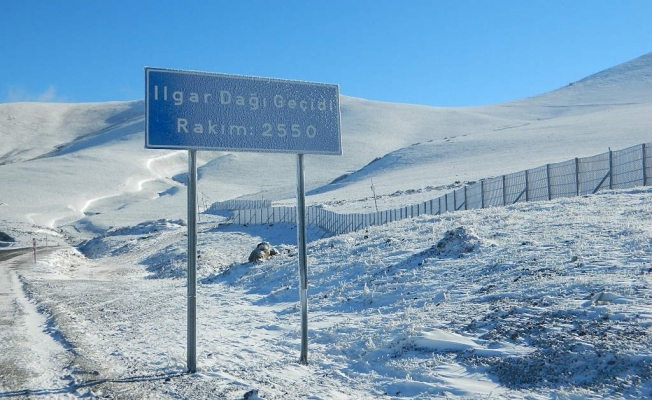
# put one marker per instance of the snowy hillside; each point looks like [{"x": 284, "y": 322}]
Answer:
[
  {"x": 532, "y": 301},
  {"x": 624, "y": 84},
  {"x": 96, "y": 151}
]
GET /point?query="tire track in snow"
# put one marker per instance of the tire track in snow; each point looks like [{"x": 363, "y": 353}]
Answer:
[
  {"x": 139, "y": 184},
  {"x": 138, "y": 187}
]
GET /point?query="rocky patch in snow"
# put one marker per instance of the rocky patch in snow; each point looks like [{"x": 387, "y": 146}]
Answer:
[{"x": 121, "y": 240}]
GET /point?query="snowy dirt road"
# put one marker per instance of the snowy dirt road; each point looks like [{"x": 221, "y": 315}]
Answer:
[
  {"x": 31, "y": 360},
  {"x": 120, "y": 336},
  {"x": 39, "y": 360}
]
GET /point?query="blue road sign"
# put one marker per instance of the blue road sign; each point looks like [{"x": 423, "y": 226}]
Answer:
[{"x": 207, "y": 111}]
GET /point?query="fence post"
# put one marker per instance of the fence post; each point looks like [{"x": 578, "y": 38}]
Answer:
[
  {"x": 504, "y": 191},
  {"x": 644, "y": 165},
  {"x": 466, "y": 201},
  {"x": 577, "y": 175},
  {"x": 481, "y": 193},
  {"x": 527, "y": 186},
  {"x": 325, "y": 220},
  {"x": 328, "y": 221},
  {"x": 548, "y": 179},
  {"x": 611, "y": 169},
  {"x": 339, "y": 220}
]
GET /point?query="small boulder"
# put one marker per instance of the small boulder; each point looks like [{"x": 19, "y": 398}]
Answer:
[
  {"x": 251, "y": 395},
  {"x": 6, "y": 238},
  {"x": 262, "y": 252}
]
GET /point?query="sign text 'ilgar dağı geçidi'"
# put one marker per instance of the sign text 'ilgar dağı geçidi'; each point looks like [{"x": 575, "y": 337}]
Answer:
[{"x": 225, "y": 112}]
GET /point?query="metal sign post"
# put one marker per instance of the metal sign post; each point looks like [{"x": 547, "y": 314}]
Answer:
[
  {"x": 192, "y": 261},
  {"x": 303, "y": 259},
  {"x": 206, "y": 111}
]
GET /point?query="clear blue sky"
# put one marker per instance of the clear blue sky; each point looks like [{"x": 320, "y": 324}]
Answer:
[{"x": 442, "y": 53}]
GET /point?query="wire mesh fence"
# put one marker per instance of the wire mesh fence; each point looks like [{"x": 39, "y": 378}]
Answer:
[
  {"x": 239, "y": 205},
  {"x": 620, "y": 169}
]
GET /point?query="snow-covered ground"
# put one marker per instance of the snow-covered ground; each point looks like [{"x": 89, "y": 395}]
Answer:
[{"x": 532, "y": 301}]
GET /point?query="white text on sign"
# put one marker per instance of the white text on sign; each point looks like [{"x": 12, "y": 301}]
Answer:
[
  {"x": 266, "y": 129},
  {"x": 251, "y": 101}
]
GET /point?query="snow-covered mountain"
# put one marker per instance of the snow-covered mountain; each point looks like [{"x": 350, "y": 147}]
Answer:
[{"x": 96, "y": 151}]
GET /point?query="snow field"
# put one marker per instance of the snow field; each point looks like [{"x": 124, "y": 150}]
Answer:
[{"x": 536, "y": 300}]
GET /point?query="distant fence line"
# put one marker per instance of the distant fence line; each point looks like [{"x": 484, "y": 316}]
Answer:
[
  {"x": 240, "y": 205},
  {"x": 619, "y": 169}
]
